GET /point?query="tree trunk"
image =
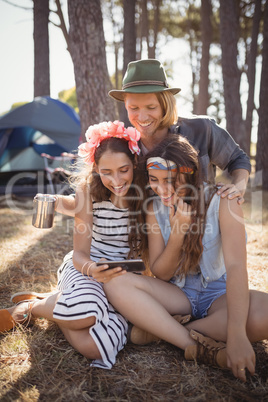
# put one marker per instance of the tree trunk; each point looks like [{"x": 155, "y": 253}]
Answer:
[
  {"x": 195, "y": 49},
  {"x": 262, "y": 144},
  {"x": 41, "y": 48},
  {"x": 129, "y": 41},
  {"x": 129, "y": 45},
  {"x": 87, "y": 48},
  {"x": 251, "y": 74},
  {"x": 138, "y": 29},
  {"x": 156, "y": 25},
  {"x": 145, "y": 24},
  {"x": 231, "y": 76},
  {"x": 206, "y": 35}
]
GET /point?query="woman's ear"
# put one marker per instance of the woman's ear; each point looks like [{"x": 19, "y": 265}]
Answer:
[
  {"x": 135, "y": 162},
  {"x": 96, "y": 168}
]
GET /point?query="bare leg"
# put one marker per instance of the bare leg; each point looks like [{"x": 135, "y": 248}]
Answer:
[
  {"x": 75, "y": 331},
  {"x": 215, "y": 324},
  {"x": 257, "y": 324},
  {"x": 81, "y": 341},
  {"x": 44, "y": 308},
  {"x": 148, "y": 303}
]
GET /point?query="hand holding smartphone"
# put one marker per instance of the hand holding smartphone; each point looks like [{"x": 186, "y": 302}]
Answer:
[{"x": 128, "y": 265}]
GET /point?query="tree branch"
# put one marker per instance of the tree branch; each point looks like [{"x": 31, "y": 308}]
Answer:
[
  {"x": 16, "y": 5},
  {"x": 62, "y": 25}
]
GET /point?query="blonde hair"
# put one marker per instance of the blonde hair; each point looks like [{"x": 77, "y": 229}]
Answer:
[{"x": 168, "y": 105}]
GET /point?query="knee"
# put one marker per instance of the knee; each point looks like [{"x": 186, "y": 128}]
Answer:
[
  {"x": 257, "y": 319},
  {"x": 118, "y": 289},
  {"x": 257, "y": 324},
  {"x": 115, "y": 284}
]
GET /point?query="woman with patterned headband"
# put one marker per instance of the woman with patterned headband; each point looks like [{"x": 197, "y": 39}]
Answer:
[
  {"x": 197, "y": 252},
  {"x": 103, "y": 229}
]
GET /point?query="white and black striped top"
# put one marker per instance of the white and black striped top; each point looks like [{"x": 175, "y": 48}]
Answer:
[{"x": 109, "y": 232}]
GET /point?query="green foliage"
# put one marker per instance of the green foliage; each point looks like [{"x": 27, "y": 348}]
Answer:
[
  {"x": 180, "y": 18},
  {"x": 69, "y": 96}
]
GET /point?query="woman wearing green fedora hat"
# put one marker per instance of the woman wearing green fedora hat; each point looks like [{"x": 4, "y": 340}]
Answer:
[{"x": 151, "y": 108}]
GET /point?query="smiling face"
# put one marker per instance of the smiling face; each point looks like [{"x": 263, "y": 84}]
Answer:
[
  {"x": 167, "y": 185},
  {"x": 144, "y": 112},
  {"x": 162, "y": 182},
  {"x": 116, "y": 173}
]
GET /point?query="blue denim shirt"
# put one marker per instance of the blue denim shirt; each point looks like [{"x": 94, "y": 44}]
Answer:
[{"x": 212, "y": 263}]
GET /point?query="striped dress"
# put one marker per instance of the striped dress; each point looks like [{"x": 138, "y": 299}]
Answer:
[{"x": 82, "y": 297}]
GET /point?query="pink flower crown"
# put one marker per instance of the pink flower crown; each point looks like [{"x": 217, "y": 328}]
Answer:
[{"x": 98, "y": 132}]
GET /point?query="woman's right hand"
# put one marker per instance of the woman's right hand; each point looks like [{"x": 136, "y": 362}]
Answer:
[
  {"x": 180, "y": 217},
  {"x": 240, "y": 356}
]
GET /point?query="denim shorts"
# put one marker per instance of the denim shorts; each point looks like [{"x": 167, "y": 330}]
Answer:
[{"x": 201, "y": 298}]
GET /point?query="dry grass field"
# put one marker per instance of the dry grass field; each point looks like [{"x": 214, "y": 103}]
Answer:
[{"x": 37, "y": 364}]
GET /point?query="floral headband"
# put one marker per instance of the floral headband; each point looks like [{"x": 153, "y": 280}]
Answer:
[
  {"x": 98, "y": 132},
  {"x": 163, "y": 164}
]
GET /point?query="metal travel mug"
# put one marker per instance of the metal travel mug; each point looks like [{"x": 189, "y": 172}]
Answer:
[{"x": 44, "y": 209}]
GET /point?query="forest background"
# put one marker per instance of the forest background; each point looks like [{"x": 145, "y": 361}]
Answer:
[{"x": 222, "y": 47}]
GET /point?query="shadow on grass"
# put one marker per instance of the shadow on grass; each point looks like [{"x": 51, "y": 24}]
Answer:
[
  {"x": 52, "y": 370},
  {"x": 32, "y": 259},
  {"x": 37, "y": 363}
]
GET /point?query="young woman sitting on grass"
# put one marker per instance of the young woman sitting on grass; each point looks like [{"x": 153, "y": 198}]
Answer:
[
  {"x": 197, "y": 252},
  {"x": 104, "y": 225}
]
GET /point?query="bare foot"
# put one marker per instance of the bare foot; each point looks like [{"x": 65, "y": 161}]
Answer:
[{"x": 21, "y": 312}]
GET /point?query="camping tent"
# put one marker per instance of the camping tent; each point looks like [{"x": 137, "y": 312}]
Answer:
[{"x": 45, "y": 125}]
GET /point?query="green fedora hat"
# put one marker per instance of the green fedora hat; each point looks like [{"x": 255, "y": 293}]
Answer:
[{"x": 142, "y": 77}]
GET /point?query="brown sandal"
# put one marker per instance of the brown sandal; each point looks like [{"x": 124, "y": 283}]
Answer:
[
  {"x": 27, "y": 296},
  {"x": 7, "y": 322},
  {"x": 206, "y": 351}
]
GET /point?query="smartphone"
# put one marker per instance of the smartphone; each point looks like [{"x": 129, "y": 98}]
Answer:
[{"x": 128, "y": 265}]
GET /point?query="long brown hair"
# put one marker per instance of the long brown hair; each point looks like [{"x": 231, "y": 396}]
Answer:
[
  {"x": 177, "y": 149},
  {"x": 88, "y": 176}
]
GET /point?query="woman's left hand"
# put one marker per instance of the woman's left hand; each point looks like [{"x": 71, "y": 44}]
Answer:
[{"x": 240, "y": 356}]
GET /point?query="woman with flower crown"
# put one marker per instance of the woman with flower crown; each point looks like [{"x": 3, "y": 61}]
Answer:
[{"x": 102, "y": 230}]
